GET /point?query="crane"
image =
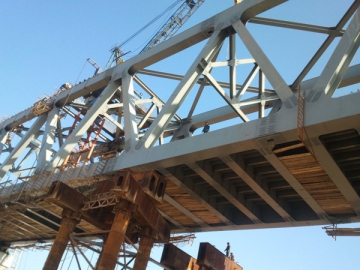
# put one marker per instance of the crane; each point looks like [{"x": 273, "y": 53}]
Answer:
[
  {"x": 173, "y": 24},
  {"x": 95, "y": 65},
  {"x": 170, "y": 27}
]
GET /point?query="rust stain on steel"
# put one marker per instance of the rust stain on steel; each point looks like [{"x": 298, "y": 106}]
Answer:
[
  {"x": 152, "y": 184},
  {"x": 68, "y": 224},
  {"x": 212, "y": 258},
  {"x": 99, "y": 201},
  {"x": 68, "y": 198},
  {"x": 174, "y": 258},
  {"x": 146, "y": 214},
  {"x": 98, "y": 211},
  {"x": 65, "y": 196},
  {"x": 108, "y": 257},
  {"x": 145, "y": 245}
]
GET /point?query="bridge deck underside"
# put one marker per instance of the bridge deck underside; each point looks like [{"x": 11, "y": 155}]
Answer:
[
  {"x": 296, "y": 158},
  {"x": 315, "y": 180},
  {"x": 211, "y": 194}
]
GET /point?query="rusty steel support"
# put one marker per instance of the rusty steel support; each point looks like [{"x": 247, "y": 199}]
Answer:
[
  {"x": 176, "y": 259},
  {"x": 145, "y": 245},
  {"x": 68, "y": 223},
  {"x": 146, "y": 212},
  {"x": 66, "y": 197},
  {"x": 116, "y": 236},
  {"x": 211, "y": 258}
]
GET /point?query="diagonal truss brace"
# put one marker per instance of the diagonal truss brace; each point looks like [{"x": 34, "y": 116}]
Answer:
[
  {"x": 3, "y": 136},
  {"x": 97, "y": 108},
  {"x": 131, "y": 129},
  {"x": 48, "y": 139},
  {"x": 22, "y": 144},
  {"x": 277, "y": 82},
  {"x": 231, "y": 102},
  {"x": 182, "y": 90},
  {"x": 340, "y": 60}
]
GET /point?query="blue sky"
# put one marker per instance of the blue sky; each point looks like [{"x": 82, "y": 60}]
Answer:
[
  {"x": 271, "y": 249},
  {"x": 46, "y": 43}
]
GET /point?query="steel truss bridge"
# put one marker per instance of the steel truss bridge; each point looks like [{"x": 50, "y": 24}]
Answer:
[{"x": 278, "y": 156}]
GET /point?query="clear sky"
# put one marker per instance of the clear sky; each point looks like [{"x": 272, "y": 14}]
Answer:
[{"x": 44, "y": 44}]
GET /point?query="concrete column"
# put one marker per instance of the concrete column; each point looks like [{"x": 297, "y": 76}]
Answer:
[
  {"x": 109, "y": 254},
  {"x": 142, "y": 257},
  {"x": 68, "y": 223}
]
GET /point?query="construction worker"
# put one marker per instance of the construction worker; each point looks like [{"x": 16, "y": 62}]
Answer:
[
  {"x": 206, "y": 128},
  {"x": 227, "y": 249}
]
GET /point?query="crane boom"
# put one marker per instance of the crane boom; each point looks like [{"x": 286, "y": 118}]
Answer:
[{"x": 173, "y": 24}]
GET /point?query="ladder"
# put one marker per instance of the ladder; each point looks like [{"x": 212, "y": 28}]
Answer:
[{"x": 301, "y": 131}]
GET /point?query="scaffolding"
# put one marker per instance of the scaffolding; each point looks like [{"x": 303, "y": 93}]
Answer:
[{"x": 334, "y": 231}]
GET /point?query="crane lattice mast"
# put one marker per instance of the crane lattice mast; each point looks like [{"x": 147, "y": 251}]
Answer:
[{"x": 173, "y": 24}]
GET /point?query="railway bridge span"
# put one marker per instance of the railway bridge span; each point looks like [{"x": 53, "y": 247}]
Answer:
[{"x": 278, "y": 153}]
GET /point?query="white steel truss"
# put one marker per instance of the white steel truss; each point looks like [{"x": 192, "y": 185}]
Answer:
[{"x": 151, "y": 131}]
